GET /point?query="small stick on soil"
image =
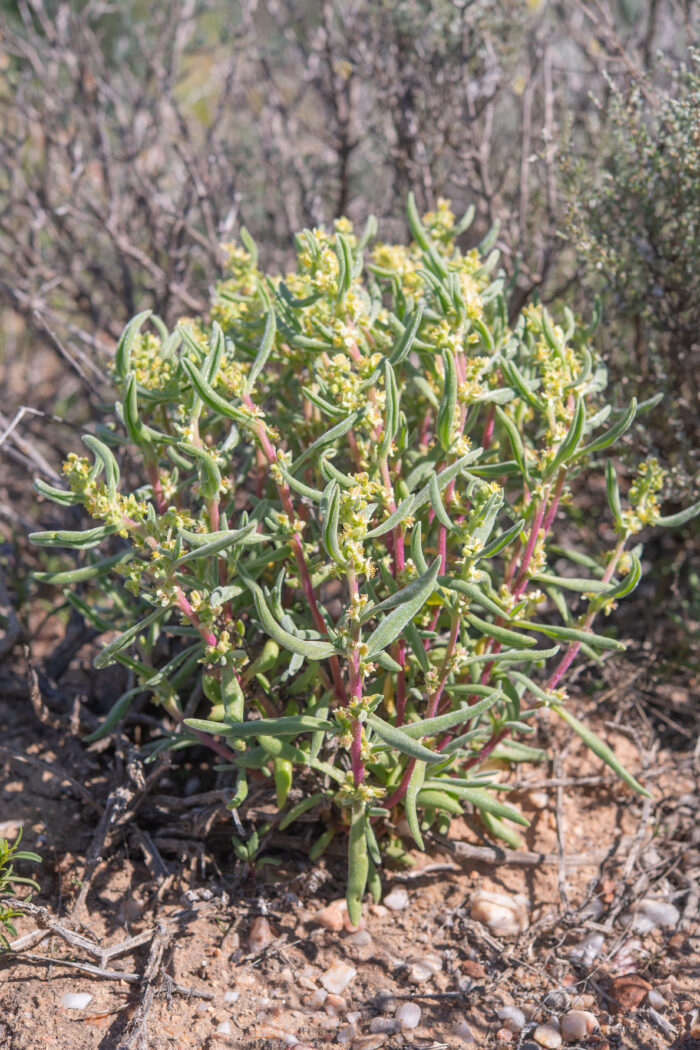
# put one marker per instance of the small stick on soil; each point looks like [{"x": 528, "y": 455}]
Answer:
[
  {"x": 184, "y": 990},
  {"x": 82, "y": 967},
  {"x": 122, "y": 803},
  {"x": 561, "y": 848},
  {"x": 135, "y": 1036},
  {"x": 429, "y": 869},
  {"x": 48, "y": 926},
  {"x": 117, "y": 801},
  {"x": 524, "y": 858},
  {"x": 37, "y": 701}
]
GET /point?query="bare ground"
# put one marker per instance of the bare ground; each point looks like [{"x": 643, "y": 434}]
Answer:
[{"x": 163, "y": 884}]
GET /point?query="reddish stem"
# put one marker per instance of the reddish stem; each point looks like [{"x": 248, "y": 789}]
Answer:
[
  {"x": 302, "y": 567},
  {"x": 488, "y": 427},
  {"x": 400, "y": 791},
  {"x": 521, "y": 578},
  {"x": 183, "y": 604},
  {"x": 204, "y": 738},
  {"x": 358, "y": 768},
  {"x": 487, "y": 748},
  {"x": 573, "y": 650},
  {"x": 554, "y": 505},
  {"x": 157, "y": 486}
]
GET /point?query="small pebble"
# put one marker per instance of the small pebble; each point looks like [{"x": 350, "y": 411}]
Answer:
[
  {"x": 539, "y": 799},
  {"x": 386, "y": 1025},
  {"x": 270, "y": 1031},
  {"x": 224, "y": 1028},
  {"x": 627, "y": 959},
  {"x": 512, "y": 1017},
  {"x": 384, "y": 1001},
  {"x": 346, "y": 1034},
  {"x": 324, "y": 1021},
  {"x": 75, "y": 1000},
  {"x": 593, "y": 910},
  {"x": 656, "y": 999},
  {"x": 260, "y": 935},
  {"x": 423, "y": 967},
  {"x": 317, "y": 998},
  {"x": 558, "y": 1000},
  {"x": 547, "y": 1035},
  {"x": 628, "y": 991},
  {"x": 202, "y": 1009},
  {"x": 504, "y": 1035},
  {"x": 397, "y": 900},
  {"x": 231, "y": 996},
  {"x": 651, "y": 913},
  {"x": 361, "y": 939},
  {"x": 335, "y": 1005},
  {"x": 582, "y": 1002},
  {"x": 472, "y": 968},
  {"x": 352, "y": 1016},
  {"x": 332, "y": 917},
  {"x": 587, "y": 951},
  {"x": 368, "y": 1042},
  {"x": 577, "y": 1024},
  {"x": 408, "y": 1015},
  {"x": 504, "y": 914},
  {"x": 461, "y": 1030},
  {"x": 337, "y": 977}
]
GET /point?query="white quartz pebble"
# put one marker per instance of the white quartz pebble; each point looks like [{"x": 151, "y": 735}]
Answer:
[
  {"x": 231, "y": 996},
  {"x": 504, "y": 914},
  {"x": 512, "y": 1017},
  {"x": 651, "y": 913},
  {"x": 337, "y": 977},
  {"x": 224, "y": 1028},
  {"x": 577, "y": 1024},
  {"x": 75, "y": 1000},
  {"x": 397, "y": 900},
  {"x": 422, "y": 967},
  {"x": 587, "y": 951},
  {"x": 408, "y": 1015},
  {"x": 547, "y": 1035},
  {"x": 461, "y": 1030},
  {"x": 656, "y": 999}
]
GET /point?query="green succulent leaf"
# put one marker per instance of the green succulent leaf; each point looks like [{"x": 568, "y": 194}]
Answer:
[
  {"x": 599, "y": 748},
  {"x": 106, "y": 656},
  {"x": 400, "y": 740},
  {"x": 404, "y": 605}
]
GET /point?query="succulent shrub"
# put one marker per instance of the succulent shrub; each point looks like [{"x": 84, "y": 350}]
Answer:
[{"x": 346, "y": 536}]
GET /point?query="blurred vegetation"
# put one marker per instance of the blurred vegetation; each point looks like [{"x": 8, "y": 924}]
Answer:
[
  {"x": 135, "y": 138},
  {"x": 635, "y": 220}
]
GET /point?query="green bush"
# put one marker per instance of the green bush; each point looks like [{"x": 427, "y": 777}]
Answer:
[
  {"x": 347, "y": 524},
  {"x": 635, "y": 222}
]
